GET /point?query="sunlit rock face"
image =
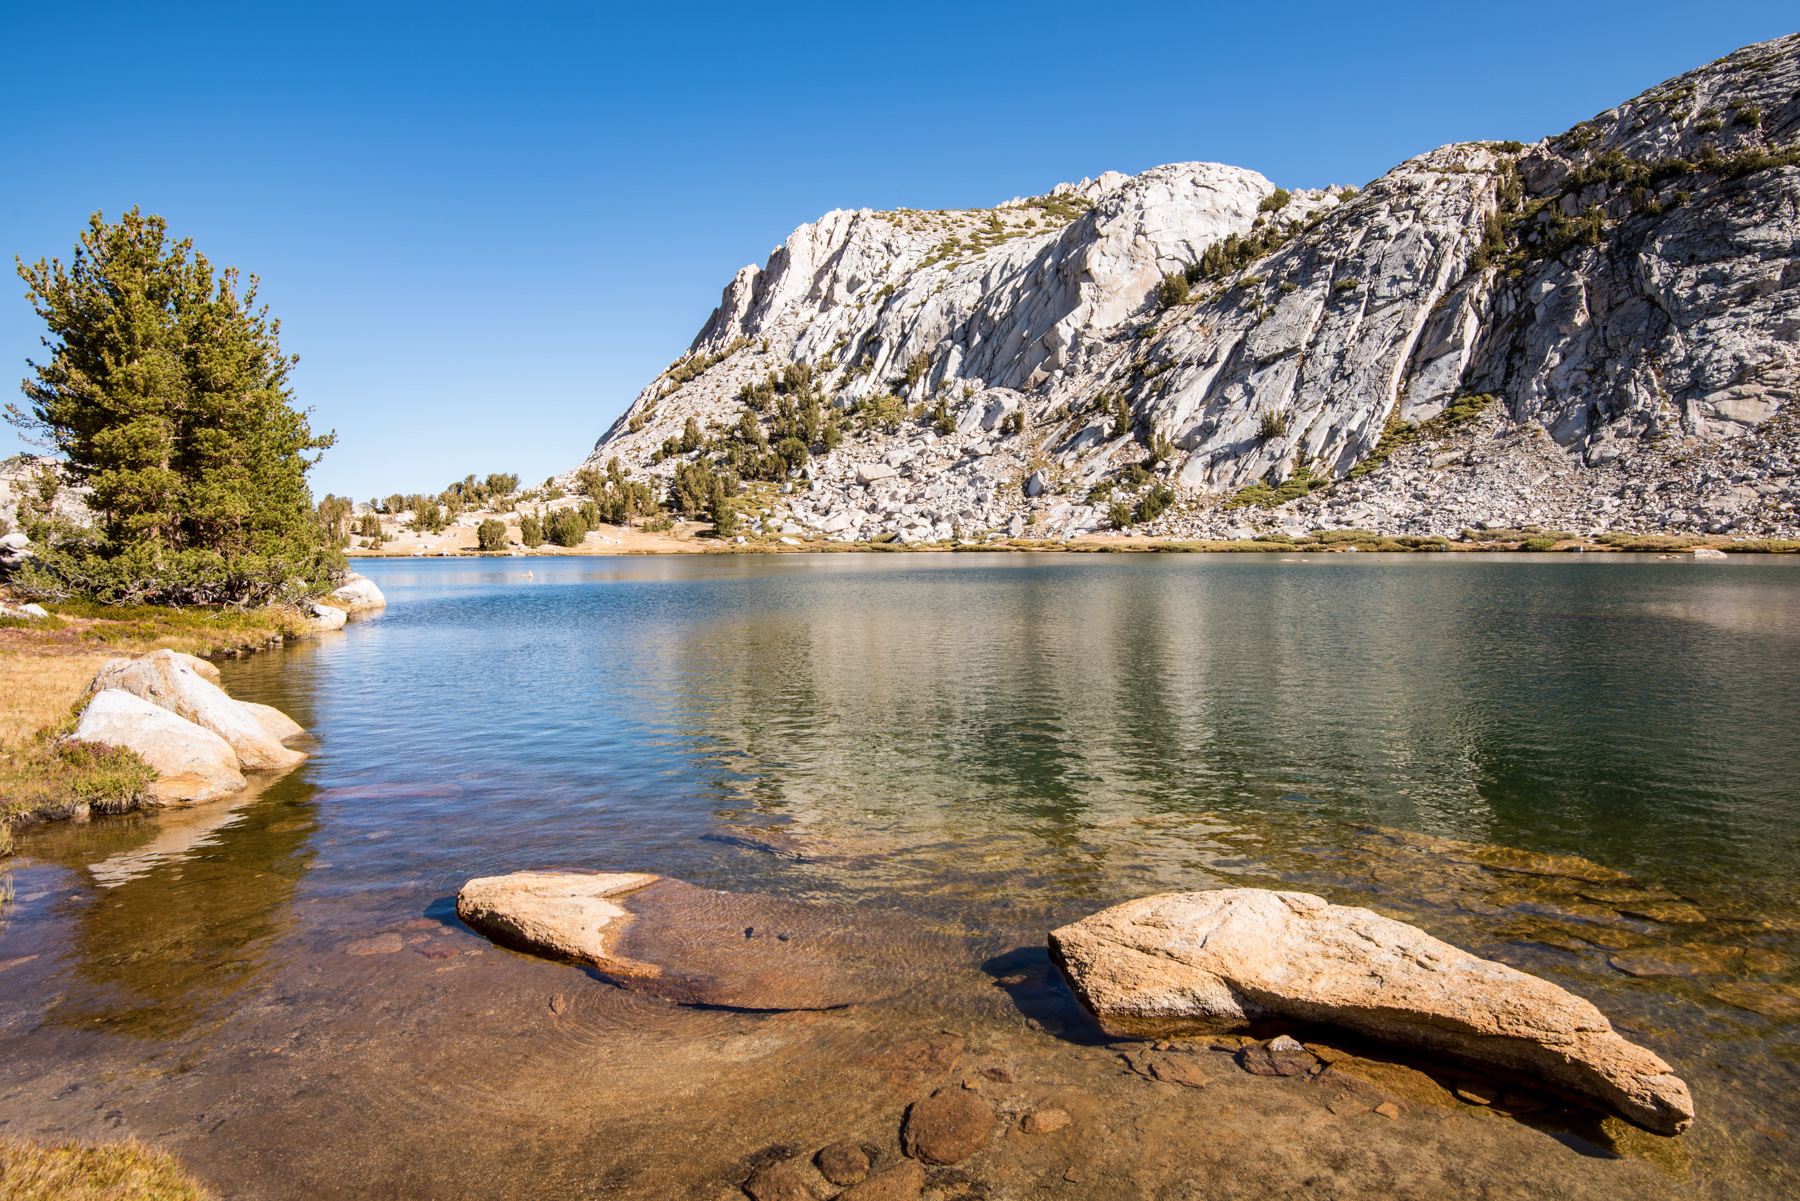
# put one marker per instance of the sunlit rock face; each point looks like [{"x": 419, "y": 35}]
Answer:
[{"x": 1626, "y": 288}]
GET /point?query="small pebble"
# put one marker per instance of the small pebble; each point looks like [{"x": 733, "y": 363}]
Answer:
[
  {"x": 1043, "y": 1121},
  {"x": 557, "y": 1004},
  {"x": 1388, "y": 1109}
]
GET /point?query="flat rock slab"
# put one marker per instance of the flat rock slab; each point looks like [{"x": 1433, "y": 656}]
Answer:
[
  {"x": 693, "y": 945},
  {"x": 1221, "y": 960}
]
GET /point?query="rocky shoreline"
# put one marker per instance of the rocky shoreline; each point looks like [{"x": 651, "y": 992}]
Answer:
[
  {"x": 1236, "y": 976},
  {"x": 169, "y": 710}
]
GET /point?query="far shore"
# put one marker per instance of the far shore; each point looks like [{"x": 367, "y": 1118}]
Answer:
[{"x": 697, "y": 538}]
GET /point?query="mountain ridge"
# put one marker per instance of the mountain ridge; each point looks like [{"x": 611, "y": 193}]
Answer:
[{"x": 1595, "y": 332}]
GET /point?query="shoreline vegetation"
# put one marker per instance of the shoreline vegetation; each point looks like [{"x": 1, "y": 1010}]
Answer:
[
  {"x": 699, "y": 538},
  {"x": 45, "y": 668}
]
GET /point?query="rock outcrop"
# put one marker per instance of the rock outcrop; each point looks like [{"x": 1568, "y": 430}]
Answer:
[
  {"x": 167, "y": 679},
  {"x": 1594, "y": 331},
  {"x": 1220, "y": 961},
  {"x": 693, "y": 945},
  {"x": 192, "y": 763}
]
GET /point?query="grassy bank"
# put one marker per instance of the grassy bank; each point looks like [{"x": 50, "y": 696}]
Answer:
[
  {"x": 85, "y": 1171},
  {"x": 44, "y": 668}
]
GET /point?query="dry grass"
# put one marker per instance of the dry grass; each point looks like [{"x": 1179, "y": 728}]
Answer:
[
  {"x": 83, "y": 1171},
  {"x": 37, "y": 689},
  {"x": 39, "y": 686}
]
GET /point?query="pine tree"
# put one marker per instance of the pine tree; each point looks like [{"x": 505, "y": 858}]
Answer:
[{"x": 167, "y": 393}]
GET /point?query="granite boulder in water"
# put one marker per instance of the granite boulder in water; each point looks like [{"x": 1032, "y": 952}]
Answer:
[
  {"x": 192, "y": 763},
  {"x": 170, "y": 681},
  {"x": 1219, "y": 961},
  {"x": 694, "y": 945}
]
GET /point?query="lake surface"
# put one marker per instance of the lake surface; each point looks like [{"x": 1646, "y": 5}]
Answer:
[{"x": 1585, "y": 766}]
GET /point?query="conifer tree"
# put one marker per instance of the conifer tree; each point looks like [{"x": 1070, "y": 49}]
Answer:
[{"x": 167, "y": 393}]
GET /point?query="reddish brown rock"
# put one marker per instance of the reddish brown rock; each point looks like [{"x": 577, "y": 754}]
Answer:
[
  {"x": 381, "y": 944},
  {"x": 947, "y": 1127},
  {"x": 902, "y": 1182},
  {"x": 777, "y": 1182},
  {"x": 1178, "y": 1069},
  {"x": 1281, "y": 1056},
  {"x": 842, "y": 1163},
  {"x": 1043, "y": 1121}
]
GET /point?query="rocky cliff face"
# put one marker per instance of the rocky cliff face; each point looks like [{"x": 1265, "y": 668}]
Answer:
[{"x": 1594, "y": 332}]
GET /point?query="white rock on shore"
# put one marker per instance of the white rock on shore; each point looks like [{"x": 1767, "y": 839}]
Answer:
[
  {"x": 358, "y": 595},
  {"x": 1218, "y": 961},
  {"x": 192, "y": 764},
  {"x": 165, "y": 679},
  {"x": 322, "y": 617}
]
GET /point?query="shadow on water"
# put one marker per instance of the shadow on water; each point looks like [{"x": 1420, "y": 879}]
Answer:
[
  {"x": 1041, "y": 995},
  {"x": 186, "y": 912}
]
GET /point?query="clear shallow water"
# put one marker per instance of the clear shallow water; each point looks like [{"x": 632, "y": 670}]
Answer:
[{"x": 998, "y": 744}]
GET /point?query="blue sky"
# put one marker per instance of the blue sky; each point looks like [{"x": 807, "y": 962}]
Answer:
[{"x": 486, "y": 227}]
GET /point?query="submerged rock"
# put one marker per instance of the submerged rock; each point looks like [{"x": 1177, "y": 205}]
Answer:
[
  {"x": 694, "y": 945},
  {"x": 1221, "y": 960},
  {"x": 947, "y": 1127},
  {"x": 168, "y": 680},
  {"x": 192, "y": 763}
]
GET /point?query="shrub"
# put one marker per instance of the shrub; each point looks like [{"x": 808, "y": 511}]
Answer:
[
  {"x": 690, "y": 436},
  {"x": 1118, "y": 514},
  {"x": 1173, "y": 290},
  {"x": 566, "y": 527},
  {"x": 1274, "y": 424},
  {"x": 428, "y": 518},
  {"x": 1275, "y": 201},
  {"x": 1155, "y": 503},
  {"x": 1013, "y": 423},
  {"x": 940, "y": 419},
  {"x": 531, "y": 530},
  {"x": 491, "y": 535},
  {"x": 792, "y": 451},
  {"x": 916, "y": 368}
]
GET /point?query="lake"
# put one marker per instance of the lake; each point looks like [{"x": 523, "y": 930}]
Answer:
[{"x": 981, "y": 747}]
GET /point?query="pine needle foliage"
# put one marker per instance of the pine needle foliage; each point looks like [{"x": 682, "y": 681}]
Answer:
[{"x": 167, "y": 393}]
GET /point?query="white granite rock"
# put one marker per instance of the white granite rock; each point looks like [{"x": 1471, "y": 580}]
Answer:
[
  {"x": 358, "y": 595},
  {"x": 164, "y": 678},
  {"x": 192, "y": 763},
  {"x": 1218, "y": 961}
]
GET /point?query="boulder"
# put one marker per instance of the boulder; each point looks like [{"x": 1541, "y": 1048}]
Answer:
[
  {"x": 202, "y": 668},
  {"x": 321, "y": 617},
  {"x": 565, "y": 915},
  {"x": 275, "y": 723},
  {"x": 358, "y": 595},
  {"x": 869, "y": 473},
  {"x": 902, "y": 1182},
  {"x": 1213, "y": 962},
  {"x": 696, "y": 945},
  {"x": 192, "y": 763},
  {"x": 947, "y": 1127},
  {"x": 164, "y": 678}
]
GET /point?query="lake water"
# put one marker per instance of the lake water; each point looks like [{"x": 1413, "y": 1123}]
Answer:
[{"x": 989, "y": 745}]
